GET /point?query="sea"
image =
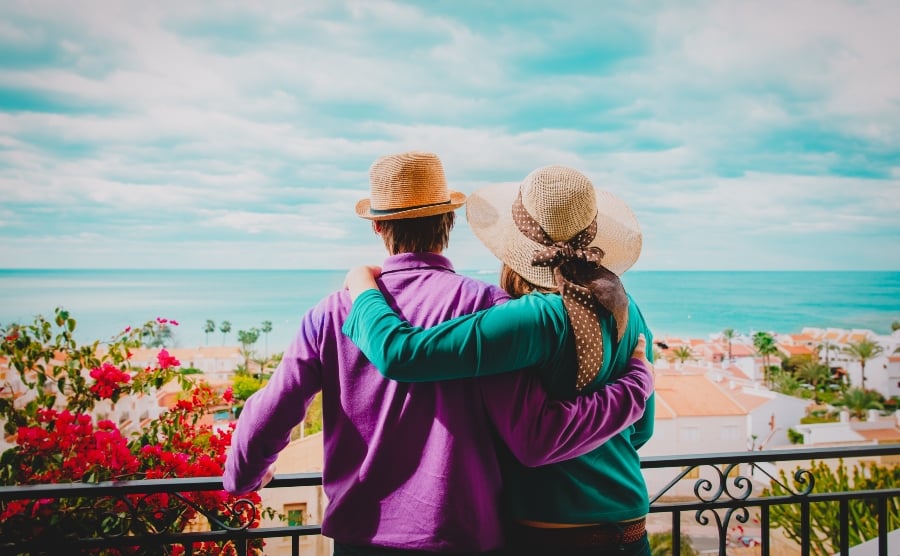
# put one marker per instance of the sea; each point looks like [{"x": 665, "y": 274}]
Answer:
[{"x": 686, "y": 304}]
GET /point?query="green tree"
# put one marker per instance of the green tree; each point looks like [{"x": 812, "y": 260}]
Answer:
[
  {"x": 683, "y": 353},
  {"x": 156, "y": 333},
  {"x": 858, "y": 401},
  {"x": 825, "y": 516},
  {"x": 729, "y": 335},
  {"x": 863, "y": 351},
  {"x": 787, "y": 384},
  {"x": 224, "y": 328},
  {"x": 266, "y": 328},
  {"x": 247, "y": 339},
  {"x": 209, "y": 329},
  {"x": 766, "y": 347},
  {"x": 828, "y": 346},
  {"x": 244, "y": 386},
  {"x": 813, "y": 373}
]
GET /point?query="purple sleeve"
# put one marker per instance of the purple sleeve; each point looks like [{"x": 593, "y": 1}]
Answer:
[
  {"x": 265, "y": 424},
  {"x": 539, "y": 430}
]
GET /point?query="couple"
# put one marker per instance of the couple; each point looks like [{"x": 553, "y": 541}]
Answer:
[{"x": 538, "y": 461}]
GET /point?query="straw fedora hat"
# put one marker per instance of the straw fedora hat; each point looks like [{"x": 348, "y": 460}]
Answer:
[
  {"x": 408, "y": 185},
  {"x": 564, "y": 202}
]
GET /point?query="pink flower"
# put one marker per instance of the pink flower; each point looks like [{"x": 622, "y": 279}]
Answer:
[{"x": 165, "y": 360}]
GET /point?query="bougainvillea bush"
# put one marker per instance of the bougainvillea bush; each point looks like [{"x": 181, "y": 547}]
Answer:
[{"x": 46, "y": 405}]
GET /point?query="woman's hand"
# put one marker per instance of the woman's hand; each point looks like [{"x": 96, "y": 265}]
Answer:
[
  {"x": 640, "y": 350},
  {"x": 360, "y": 279},
  {"x": 640, "y": 353}
]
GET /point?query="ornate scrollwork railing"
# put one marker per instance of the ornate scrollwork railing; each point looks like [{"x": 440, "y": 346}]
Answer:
[
  {"x": 723, "y": 487},
  {"x": 723, "y": 495}
]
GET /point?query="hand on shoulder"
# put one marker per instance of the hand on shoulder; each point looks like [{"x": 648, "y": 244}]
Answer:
[{"x": 360, "y": 279}]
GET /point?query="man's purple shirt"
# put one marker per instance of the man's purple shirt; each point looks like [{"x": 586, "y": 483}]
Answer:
[{"x": 409, "y": 465}]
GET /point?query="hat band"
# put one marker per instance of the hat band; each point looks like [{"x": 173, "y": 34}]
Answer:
[{"x": 404, "y": 209}]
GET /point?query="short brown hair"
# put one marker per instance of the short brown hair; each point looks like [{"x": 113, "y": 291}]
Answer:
[
  {"x": 516, "y": 286},
  {"x": 417, "y": 235}
]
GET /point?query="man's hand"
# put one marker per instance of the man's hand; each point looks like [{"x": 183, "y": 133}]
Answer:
[
  {"x": 267, "y": 478},
  {"x": 360, "y": 279}
]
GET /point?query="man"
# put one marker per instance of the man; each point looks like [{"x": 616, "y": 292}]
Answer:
[{"x": 413, "y": 468}]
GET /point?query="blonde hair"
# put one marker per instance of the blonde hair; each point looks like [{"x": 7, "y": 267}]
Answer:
[{"x": 517, "y": 286}]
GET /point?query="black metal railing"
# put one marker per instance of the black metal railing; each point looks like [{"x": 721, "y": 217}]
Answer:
[{"x": 726, "y": 488}]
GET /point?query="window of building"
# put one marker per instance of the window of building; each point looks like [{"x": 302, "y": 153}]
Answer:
[
  {"x": 295, "y": 513},
  {"x": 694, "y": 473},
  {"x": 729, "y": 432},
  {"x": 689, "y": 435}
]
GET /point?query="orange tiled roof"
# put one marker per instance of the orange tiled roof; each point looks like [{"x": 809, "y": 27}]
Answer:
[
  {"x": 742, "y": 350},
  {"x": 802, "y": 337},
  {"x": 746, "y": 400},
  {"x": 889, "y": 435},
  {"x": 736, "y": 372},
  {"x": 695, "y": 396},
  {"x": 795, "y": 350}
]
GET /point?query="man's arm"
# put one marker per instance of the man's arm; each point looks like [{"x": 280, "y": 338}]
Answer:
[
  {"x": 269, "y": 415},
  {"x": 539, "y": 430}
]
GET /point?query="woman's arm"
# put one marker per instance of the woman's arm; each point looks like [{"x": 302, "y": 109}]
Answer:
[{"x": 521, "y": 333}]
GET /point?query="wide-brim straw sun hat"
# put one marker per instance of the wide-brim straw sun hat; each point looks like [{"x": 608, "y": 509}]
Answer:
[
  {"x": 563, "y": 202},
  {"x": 408, "y": 185}
]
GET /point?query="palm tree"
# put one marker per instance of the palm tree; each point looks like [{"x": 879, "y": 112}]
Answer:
[
  {"x": 765, "y": 346},
  {"x": 827, "y": 346},
  {"x": 862, "y": 351},
  {"x": 266, "y": 328},
  {"x": 729, "y": 335},
  {"x": 683, "y": 353},
  {"x": 247, "y": 339},
  {"x": 813, "y": 372},
  {"x": 224, "y": 328},
  {"x": 859, "y": 400},
  {"x": 209, "y": 329}
]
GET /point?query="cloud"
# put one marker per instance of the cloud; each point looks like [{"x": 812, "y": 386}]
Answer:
[{"x": 743, "y": 135}]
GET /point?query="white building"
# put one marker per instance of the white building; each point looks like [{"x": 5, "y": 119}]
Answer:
[{"x": 300, "y": 505}]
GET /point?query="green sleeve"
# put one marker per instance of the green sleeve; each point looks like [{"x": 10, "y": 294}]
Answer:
[
  {"x": 521, "y": 333},
  {"x": 643, "y": 428}
]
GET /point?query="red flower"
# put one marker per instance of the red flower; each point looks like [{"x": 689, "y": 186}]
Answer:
[{"x": 109, "y": 380}]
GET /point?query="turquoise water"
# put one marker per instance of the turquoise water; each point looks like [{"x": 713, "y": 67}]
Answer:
[{"x": 681, "y": 303}]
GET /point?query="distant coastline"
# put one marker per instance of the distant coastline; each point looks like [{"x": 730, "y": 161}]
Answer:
[{"x": 689, "y": 304}]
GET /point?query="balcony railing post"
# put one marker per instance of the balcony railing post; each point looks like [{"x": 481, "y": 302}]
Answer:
[
  {"x": 844, "y": 516},
  {"x": 804, "y": 528}
]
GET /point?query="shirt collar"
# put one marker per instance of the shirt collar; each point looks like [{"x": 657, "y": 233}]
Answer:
[{"x": 412, "y": 261}]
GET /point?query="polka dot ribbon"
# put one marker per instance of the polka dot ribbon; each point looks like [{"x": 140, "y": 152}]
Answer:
[{"x": 583, "y": 293}]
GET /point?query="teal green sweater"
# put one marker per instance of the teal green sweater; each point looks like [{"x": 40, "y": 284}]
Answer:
[{"x": 532, "y": 332}]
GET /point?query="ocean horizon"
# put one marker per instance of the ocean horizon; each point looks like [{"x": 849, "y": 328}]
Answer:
[{"x": 688, "y": 304}]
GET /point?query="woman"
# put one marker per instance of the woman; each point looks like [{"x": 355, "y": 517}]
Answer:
[{"x": 563, "y": 245}]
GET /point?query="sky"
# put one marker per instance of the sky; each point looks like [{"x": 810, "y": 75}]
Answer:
[{"x": 170, "y": 134}]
